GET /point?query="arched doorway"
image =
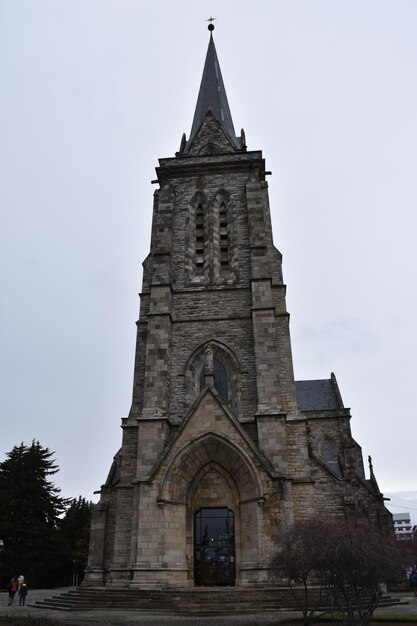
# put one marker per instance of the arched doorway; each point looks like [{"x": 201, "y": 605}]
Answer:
[
  {"x": 214, "y": 547},
  {"x": 210, "y": 474}
]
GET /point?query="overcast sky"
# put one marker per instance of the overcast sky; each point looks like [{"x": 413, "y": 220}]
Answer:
[{"x": 93, "y": 92}]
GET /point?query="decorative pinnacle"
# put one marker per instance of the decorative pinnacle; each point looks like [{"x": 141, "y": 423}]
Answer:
[{"x": 211, "y": 25}]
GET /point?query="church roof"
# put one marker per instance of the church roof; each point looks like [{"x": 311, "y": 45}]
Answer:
[
  {"x": 318, "y": 395},
  {"x": 212, "y": 96}
]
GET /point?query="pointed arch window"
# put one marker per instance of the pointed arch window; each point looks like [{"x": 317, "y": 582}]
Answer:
[
  {"x": 199, "y": 240},
  {"x": 224, "y": 238},
  {"x": 329, "y": 457},
  {"x": 221, "y": 379}
]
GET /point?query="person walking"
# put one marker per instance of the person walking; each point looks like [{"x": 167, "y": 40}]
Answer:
[
  {"x": 13, "y": 587},
  {"x": 23, "y": 591},
  {"x": 412, "y": 579}
]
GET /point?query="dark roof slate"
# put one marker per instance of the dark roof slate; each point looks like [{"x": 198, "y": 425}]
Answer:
[
  {"x": 212, "y": 96},
  {"x": 317, "y": 395}
]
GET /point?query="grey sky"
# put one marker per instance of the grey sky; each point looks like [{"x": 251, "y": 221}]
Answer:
[{"x": 93, "y": 92}]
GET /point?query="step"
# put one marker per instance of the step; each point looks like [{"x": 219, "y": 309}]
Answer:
[{"x": 209, "y": 601}]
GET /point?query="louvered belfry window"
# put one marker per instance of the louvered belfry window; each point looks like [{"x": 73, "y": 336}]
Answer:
[
  {"x": 224, "y": 238},
  {"x": 199, "y": 240}
]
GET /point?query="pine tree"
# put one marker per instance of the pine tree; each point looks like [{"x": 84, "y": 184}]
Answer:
[
  {"x": 75, "y": 534},
  {"x": 30, "y": 510}
]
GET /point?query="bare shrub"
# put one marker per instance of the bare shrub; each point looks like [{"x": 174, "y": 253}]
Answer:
[{"x": 340, "y": 564}]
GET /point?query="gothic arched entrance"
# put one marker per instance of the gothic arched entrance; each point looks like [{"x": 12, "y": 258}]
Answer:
[
  {"x": 214, "y": 491},
  {"x": 214, "y": 547}
]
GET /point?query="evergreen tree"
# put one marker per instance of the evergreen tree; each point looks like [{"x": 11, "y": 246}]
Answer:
[
  {"x": 30, "y": 510},
  {"x": 75, "y": 534}
]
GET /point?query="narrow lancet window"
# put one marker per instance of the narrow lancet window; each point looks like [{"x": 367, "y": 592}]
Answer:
[
  {"x": 329, "y": 457},
  {"x": 199, "y": 240},
  {"x": 224, "y": 238}
]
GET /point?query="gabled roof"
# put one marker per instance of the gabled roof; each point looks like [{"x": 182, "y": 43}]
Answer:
[
  {"x": 212, "y": 96},
  {"x": 318, "y": 395}
]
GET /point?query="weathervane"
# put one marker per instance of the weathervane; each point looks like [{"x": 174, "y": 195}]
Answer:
[{"x": 211, "y": 25}]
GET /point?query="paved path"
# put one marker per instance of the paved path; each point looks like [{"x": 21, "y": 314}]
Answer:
[{"x": 142, "y": 618}]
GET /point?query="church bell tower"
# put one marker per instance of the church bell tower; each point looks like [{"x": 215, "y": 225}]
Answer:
[{"x": 222, "y": 448}]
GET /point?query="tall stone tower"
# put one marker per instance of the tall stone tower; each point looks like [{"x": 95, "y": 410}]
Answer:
[{"x": 222, "y": 448}]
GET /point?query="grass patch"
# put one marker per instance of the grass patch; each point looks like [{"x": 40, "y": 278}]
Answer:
[
  {"x": 387, "y": 618},
  {"x": 398, "y": 619},
  {"x": 326, "y": 618}
]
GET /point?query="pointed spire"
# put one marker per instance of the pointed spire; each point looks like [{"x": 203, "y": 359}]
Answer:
[{"x": 212, "y": 95}]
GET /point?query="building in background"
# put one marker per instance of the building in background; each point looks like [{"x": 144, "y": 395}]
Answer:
[
  {"x": 402, "y": 526},
  {"x": 222, "y": 448}
]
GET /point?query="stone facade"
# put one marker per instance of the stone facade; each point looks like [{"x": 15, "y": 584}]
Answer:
[{"x": 218, "y": 422}]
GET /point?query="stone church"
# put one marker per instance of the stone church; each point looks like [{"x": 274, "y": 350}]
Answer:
[{"x": 222, "y": 448}]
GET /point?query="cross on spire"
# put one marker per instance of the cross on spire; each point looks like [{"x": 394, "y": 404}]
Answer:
[{"x": 211, "y": 25}]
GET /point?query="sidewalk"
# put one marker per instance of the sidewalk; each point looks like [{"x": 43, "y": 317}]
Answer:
[{"x": 141, "y": 618}]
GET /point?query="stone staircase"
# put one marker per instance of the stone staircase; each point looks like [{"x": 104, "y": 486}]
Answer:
[{"x": 202, "y": 600}]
